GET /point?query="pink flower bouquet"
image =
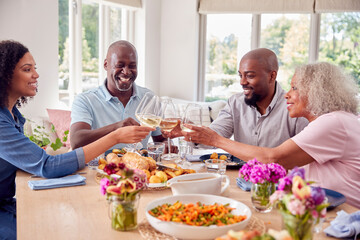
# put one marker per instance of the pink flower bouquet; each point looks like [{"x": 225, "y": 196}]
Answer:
[{"x": 300, "y": 204}]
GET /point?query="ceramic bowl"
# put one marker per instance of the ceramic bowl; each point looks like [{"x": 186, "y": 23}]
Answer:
[{"x": 183, "y": 231}]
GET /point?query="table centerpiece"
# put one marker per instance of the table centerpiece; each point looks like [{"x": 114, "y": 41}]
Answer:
[
  {"x": 301, "y": 205},
  {"x": 263, "y": 178},
  {"x": 122, "y": 191}
]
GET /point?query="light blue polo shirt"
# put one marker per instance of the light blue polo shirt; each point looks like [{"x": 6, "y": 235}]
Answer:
[{"x": 98, "y": 108}]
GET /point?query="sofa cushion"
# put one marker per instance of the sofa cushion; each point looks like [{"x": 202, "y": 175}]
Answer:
[
  {"x": 210, "y": 110},
  {"x": 61, "y": 120},
  {"x": 215, "y": 107}
]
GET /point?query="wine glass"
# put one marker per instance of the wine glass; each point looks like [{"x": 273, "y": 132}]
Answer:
[
  {"x": 148, "y": 111},
  {"x": 168, "y": 122},
  {"x": 191, "y": 116}
]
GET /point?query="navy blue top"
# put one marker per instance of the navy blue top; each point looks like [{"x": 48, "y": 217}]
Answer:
[{"x": 18, "y": 152}]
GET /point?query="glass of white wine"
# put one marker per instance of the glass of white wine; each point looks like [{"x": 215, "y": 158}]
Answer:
[
  {"x": 149, "y": 111},
  {"x": 191, "y": 116},
  {"x": 169, "y": 121}
]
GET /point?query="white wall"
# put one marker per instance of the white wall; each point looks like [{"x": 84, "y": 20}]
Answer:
[
  {"x": 35, "y": 24},
  {"x": 148, "y": 42},
  {"x": 166, "y": 37},
  {"x": 179, "y": 48}
]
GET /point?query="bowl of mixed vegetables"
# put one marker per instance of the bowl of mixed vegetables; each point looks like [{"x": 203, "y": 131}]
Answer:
[{"x": 197, "y": 216}]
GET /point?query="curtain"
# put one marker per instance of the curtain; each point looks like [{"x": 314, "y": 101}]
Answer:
[
  {"x": 130, "y": 3},
  {"x": 278, "y": 6},
  {"x": 256, "y": 6},
  {"x": 322, "y": 6}
]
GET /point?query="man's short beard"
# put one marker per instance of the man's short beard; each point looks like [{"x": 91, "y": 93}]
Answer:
[
  {"x": 122, "y": 90},
  {"x": 252, "y": 101}
]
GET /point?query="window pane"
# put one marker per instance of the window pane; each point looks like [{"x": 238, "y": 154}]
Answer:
[
  {"x": 228, "y": 37},
  {"x": 115, "y": 24},
  {"x": 288, "y": 36},
  {"x": 63, "y": 48},
  {"x": 90, "y": 45},
  {"x": 339, "y": 41}
]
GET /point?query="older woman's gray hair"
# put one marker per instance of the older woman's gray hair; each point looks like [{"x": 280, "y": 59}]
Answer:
[{"x": 327, "y": 88}]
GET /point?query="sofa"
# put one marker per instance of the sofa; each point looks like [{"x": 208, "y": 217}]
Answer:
[{"x": 58, "y": 121}]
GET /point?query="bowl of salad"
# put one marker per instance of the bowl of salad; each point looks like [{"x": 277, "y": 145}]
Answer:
[{"x": 197, "y": 216}]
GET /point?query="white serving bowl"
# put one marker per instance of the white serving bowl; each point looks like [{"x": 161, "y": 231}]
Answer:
[{"x": 184, "y": 231}]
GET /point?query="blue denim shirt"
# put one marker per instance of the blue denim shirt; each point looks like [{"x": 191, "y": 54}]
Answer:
[{"x": 18, "y": 152}]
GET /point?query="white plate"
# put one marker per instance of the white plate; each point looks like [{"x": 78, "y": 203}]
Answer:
[
  {"x": 155, "y": 185},
  {"x": 184, "y": 231}
]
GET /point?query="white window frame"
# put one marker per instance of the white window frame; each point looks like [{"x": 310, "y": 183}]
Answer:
[
  {"x": 75, "y": 40},
  {"x": 255, "y": 43}
]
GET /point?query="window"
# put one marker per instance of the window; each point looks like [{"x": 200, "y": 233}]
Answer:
[
  {"x": 340, "y": 41},
  {"x": 226, "y": 41},
  {"x": 90, "y": 25},
  {"x": 288, "y": 36},
  {"x": 229, "y": 36}
]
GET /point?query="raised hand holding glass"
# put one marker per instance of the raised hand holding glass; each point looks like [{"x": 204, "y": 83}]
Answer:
[{"x": 192, "y": 116}]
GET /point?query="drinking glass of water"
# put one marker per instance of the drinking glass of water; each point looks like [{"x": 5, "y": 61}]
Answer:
[{"x": 155, "y": 150}]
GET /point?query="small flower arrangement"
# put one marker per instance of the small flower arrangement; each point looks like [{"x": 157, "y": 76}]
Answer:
[
  {"x": 257, "y": 172},
  {"x": 301, "y": 205},
  {"x": 264, "y": 177},
  {"x": 122, "y": 191},
  {"x": 126, "y": 184}
]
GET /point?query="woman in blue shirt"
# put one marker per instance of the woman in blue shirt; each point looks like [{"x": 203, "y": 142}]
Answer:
[{"x": 18, "y": 82}]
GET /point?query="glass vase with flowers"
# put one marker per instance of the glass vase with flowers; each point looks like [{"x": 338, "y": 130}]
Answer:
[
  {"x": 122, "y": 191},
  {"x": 263, "y": 178},
  {"x": 302, "y": 206}
]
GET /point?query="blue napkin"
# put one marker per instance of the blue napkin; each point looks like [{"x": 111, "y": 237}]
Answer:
[
  {"x": 244, "y": 185},
  {"x": 344, "y": 225},
  {"x": 67, "y": 181}
]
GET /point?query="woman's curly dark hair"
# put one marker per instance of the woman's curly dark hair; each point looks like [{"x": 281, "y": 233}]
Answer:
[{"x": 10, "y": 54}]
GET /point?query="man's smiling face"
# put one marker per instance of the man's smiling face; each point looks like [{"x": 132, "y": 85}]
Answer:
[
  {"x": 254, "y": 78},
  {"x": 121, "y": 67}
]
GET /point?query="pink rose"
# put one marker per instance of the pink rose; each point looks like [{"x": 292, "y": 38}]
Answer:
[{"x": 296, "y": 207}]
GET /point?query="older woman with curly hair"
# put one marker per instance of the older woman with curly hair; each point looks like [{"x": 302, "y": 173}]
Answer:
[
  {"x": 18, "y": 81},
  {"x": 328, "y": 147}
]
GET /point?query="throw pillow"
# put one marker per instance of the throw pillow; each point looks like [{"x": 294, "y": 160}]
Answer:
[
  {"x": 61, "y": 120},
  {"x": 215, "y": 108}
]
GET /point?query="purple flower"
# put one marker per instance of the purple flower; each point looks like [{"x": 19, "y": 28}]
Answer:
[
  {"x": 317, "y": 194},
  {"x": 284, "y": 183},
  {"x": 247, "y": 169},
  {"x": 297, "y": 172},
  {"x": 104, "y": 183},
  {"x": 259, "y": 174},
  {"x": 276, "y": 172}
]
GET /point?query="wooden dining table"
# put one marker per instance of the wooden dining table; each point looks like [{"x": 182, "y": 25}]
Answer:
[{"x": 81, "y": 212}]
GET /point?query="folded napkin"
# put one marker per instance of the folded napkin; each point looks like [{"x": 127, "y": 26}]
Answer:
[
  {"x": 67, "y": 181},
  {"x": 344, "y": 225},
  {"x": 193, "y": 158},
  {"x": 243, "y": 184}
]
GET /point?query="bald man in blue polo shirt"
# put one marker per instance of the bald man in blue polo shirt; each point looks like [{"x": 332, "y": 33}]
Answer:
[{"x": 100, "y": 111}]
